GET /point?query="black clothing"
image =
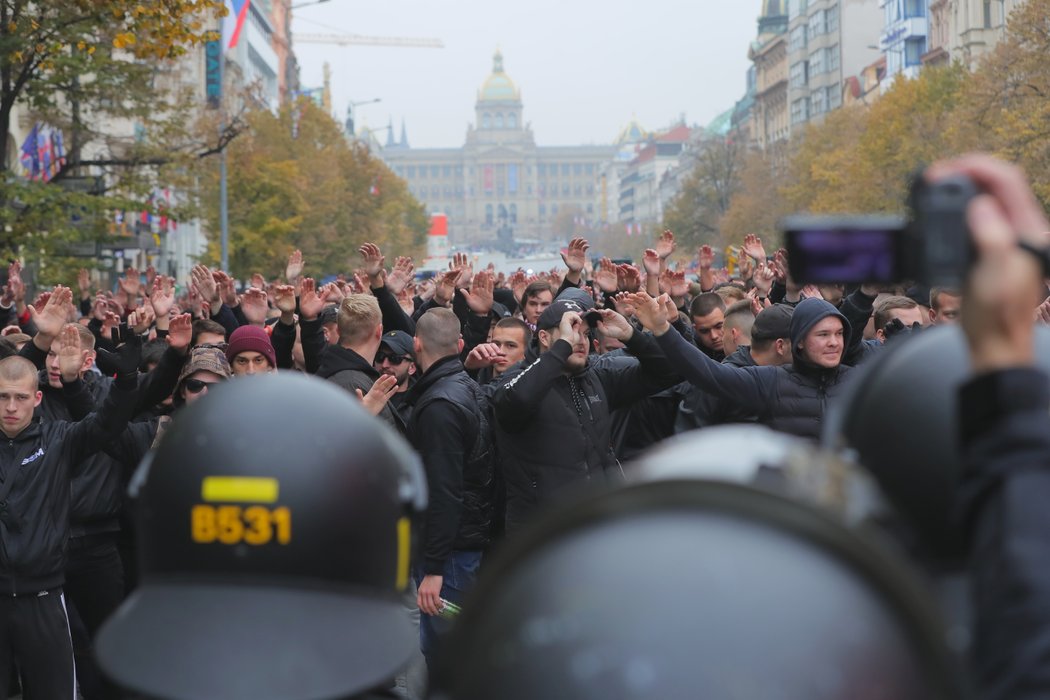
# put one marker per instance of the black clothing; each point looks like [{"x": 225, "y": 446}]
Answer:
[
  {"x": 450, "y": 430},
  {"x": 699, "y": 408},
  {"x": 554, "y": 430},
  {"x": 394, "y": 317},
  {"x": 1004, "y": 489},
  {"x": 345, "y": 368},
  {"x": 35, "y": 629}
]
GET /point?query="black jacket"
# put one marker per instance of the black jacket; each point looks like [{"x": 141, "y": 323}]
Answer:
[
  {"x": 700, "y": 409},
  {"x": 450, "y": 430},
  {"x": 345, "y": 368},
  {"x": 34, "y": 518},
  {"x": 1005, "y": 487},
  {"x": 790, "y": 398},
  {"x": 554, "y": 430}
]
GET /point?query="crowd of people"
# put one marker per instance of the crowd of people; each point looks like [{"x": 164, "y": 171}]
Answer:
[{"x": 515, "y": 391}]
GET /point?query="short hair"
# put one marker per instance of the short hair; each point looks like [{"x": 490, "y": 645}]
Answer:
[
  {"x": 884, "y": 307},
  {"x": 87, "y": 338},
  {"x": 206, "y": 325},
  {"x": 705, "y": 304},
  {"x": 16, "y": 368},
  {"x": 518, "y": 324},
  {"x": 358, "y": 318},
  {"x": 17, "y": 338},
  {"x": 438, "y": 330},
  {"x": 151, "y": 353},
  {"x": 741, "y": 317},
  {"x": 535, "y": 289},
  {"x": 7, "y": 347},
  {"x": 731, "y": 293},
  {"x": 937, "y": 291}
]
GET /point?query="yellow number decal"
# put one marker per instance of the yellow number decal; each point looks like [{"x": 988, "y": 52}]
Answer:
[
  {"x": 259, "y": 530},
  {"x": 203, "y": 524},
  {"x": 231, "y": 528},
  {"x": 282, "y": 518}
]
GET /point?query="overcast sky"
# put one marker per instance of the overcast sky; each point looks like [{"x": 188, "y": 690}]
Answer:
[{"x": 584, "y": 67}]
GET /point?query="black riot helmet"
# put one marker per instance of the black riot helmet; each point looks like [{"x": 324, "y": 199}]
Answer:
[
  {"x": 689, "y": 588},
  {"x": 274, "y": 528},
  {"x": 900, "y": 419}
]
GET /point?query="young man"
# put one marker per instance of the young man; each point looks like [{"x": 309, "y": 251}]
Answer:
[
  {"x": 34, "y": 515},
  {"x": 708, "y": 314},
  {"x": 251, "y": 352},
  {"x": 737, "y": 328},
  {"x": 511, "y": 339},
  {"x": 944, "y": 306}
]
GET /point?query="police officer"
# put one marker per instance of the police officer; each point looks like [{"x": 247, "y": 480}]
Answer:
[
  {"x": 275, "y": 524},
  {"x": 679, "y": 586}
]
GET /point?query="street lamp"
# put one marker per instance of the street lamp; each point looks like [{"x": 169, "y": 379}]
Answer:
[
  {"x": 350, "y": 113},
  {"x": 307, "y": 4}
]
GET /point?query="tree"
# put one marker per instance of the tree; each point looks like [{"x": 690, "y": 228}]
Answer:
[
  {"x": 695, "y": 215},
  {"x": 758, "y": 204},
  {"x": 296, "y": 182},
  {"x": 96, "y": 71}
]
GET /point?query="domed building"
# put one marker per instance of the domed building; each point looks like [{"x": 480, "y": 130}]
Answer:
[{"x": 499, "y": 187}]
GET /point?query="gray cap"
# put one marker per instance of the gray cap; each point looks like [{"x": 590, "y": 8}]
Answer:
[{"x": 772, "y": 323}]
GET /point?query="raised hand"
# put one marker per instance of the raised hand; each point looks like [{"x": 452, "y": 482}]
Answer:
[
  {"x": 204, "y": 281},
  {"x": 665, "y": 245},
  {"x": 372, "y": 259},
  {"x": 257, "y": 281},
  {"x": 669, "y": 309},
  {"x": 518, "y": 283},
  {"x": 614, "y": 325},
  {"x": 753, "y": 248},
  {"x": 84, "y": 283},
  {"x": 721, "y": 276},
  {"x": 445, "y": 287},
  {"x": 52, "y": 316},
  {"x": 71, "y": 358},
  {"x": 294, "y": 268},
  {"x": 162, "y": 297},
  {"x": 151, "y": 274},
  {"x": 747, "y": 268},
  {"x": 763, "y": 278},
  {"x": 125, "y": 361},
  {"x": 651, "y": 262},
  {"x": 632, "y": 278},
  {"x": 479, "y": 296},
  {"x": 605, "y": 276},
  {"x": 99, "y": 307},
  {"x": 14, "y": 282},
  {"x": 679, "y": 285},
  {"x": 284, "y": 298},
  {"x": 461, "y": 262},
  {"x": 130, "y": 283},
  {"x": 180, "y": 333},
  {"x": 400, "y": 275},
  {"x": 379, "y": 395},
  {"x": 575, "y": 256},
  {"x": 649, "y": 310},
  {"x": 622, "y": 302},
  {"x": 1042, "y": 313},
  {"x": 811, "y": 291},
  {"x": 254, "y": 306},
  {"x": 312, "y": 300},
  {"x": 706, "y": 256},
  {"x": 227, "y": 288},
  {"x": 484, "y": 355}
]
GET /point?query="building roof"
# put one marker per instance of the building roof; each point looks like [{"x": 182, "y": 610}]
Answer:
[
  {"x": 632, "y": 133},
  {"x": 498, "y": 87}
]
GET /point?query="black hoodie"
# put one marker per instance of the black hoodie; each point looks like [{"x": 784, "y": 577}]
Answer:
[
  {"x": 789, "y": 398},
  {"x": 349, "y": 370}
]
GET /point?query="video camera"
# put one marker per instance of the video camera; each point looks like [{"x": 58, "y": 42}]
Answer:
[{"x": 932, "y": 247}]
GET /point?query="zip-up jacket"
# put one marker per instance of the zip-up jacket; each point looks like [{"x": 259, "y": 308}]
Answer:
[
  {"x": 450, "y": 430},
  {"x": 34, "y": 517},
  {"x": 790, "y": 398},
  {"x": 344, "y": 367},
  {"x": 554, "y": 430}
]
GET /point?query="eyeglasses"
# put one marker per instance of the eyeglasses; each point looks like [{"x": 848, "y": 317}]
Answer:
[
  {"x": 395, "y": 360},
  {"x": 196, "y": 386}
]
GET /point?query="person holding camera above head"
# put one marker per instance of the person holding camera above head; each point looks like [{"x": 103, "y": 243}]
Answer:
[{"x": 554, "y": 414}]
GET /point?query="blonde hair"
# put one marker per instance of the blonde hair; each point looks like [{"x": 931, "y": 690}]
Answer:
[
  {"x": 358, "y": 317},
  {"x": 16, "y": 368}
]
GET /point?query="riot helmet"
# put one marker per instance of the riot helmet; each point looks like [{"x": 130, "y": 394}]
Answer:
[{"x": 274, "y": 528}]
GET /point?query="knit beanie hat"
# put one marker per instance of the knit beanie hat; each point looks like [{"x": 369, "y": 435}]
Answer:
[{"x": 251, "y": 338}]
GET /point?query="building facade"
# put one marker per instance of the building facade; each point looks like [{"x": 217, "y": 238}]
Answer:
[
  {"x": 904, "y": 37},
  {"x": 769, "y": 54},
  {"x": 976, "y": 26},
  {"x": 499, "y": 188},
  {"x": 828, "y": 40}
]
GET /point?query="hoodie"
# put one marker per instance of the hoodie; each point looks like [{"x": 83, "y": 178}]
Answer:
[{"x": 349, "y": 370}]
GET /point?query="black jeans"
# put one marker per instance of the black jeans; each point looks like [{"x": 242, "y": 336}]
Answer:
[
  {"x": 94, "y": 588},
  {"x": 34, "y": 633}
]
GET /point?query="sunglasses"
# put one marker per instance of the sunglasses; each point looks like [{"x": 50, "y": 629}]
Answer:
[
  {"x": 196, "y": 386},
  {"x": 392, "y": 359}
]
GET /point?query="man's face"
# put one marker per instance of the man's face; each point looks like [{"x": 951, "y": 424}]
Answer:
[
  {"x": 206, "y": 338},
  {"x": 54, "y": 373},
  {"x": 824, "y": 343},
  {"x": 511, "y": 342},
  {"x": 535, "y": 306},
  {"x": 250, "y": 362},
  {"x": 947, "y": 312},
  {"x": 580, "y": 348},
  {"x": 391, "y": 364},
  {"x": 197, "y": 384},
  {"x": 17, "y": 401},
  {"x": 709, "y": 330},
  {"x": 908, "y": 317}
]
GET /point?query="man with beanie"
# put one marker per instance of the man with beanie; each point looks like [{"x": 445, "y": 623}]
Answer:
[
  {"x": 251, "y": 352},
  {"x": 790, "y": 398}
]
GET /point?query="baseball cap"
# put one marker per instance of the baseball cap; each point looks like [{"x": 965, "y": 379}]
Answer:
[
  {"x": 398, "y": 342},
  {"x": 551, "y": 316},
  {"x": 270, "y": 566},
  {"x": 330, "y": 314},
  {"x": 205, "y": 360},
  {"x": 772, "y": 323}
]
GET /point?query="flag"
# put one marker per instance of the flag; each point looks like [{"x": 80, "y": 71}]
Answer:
[
  {"x": 31, "y": 155},
  {"x": 233, "y": 22},
  {"x": 374, "y": 189},
  {"x": 628, "y": 229}
]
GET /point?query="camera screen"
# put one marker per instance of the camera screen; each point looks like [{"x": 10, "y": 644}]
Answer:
[{"x": 843, "y": 255}]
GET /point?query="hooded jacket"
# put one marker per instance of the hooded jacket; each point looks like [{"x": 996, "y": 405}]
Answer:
[
  {"x": 346, "y": 368},
  {"x": 790, "y": 398}
]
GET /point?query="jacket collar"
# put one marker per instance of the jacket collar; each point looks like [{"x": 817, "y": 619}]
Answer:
[
  {"x": 445, "y": 367},
  {"x": 336, "y": 358}
]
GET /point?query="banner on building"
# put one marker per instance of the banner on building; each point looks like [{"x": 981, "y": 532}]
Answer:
[
  {"x": 489, "y": 179},
  {"x": 43, "y": 153},
  {"x": 512, "y": 178}
]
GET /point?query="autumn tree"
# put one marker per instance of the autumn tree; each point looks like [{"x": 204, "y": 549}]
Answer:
[
  {"x": 696, "y": 213},
  {"x": 758, "y": 204},
  {"x": 97, "y": 72},
  {"x": 295, "y": 181}
]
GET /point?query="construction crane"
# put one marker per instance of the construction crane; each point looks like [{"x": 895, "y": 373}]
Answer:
[{"x": 359, "y": 40}]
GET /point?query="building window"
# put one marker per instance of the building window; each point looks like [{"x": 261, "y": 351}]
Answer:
[
  {"x": 832, "y": 19},
  {"x": 486, "y": 120},
  {"x": 459, "y": 171},
  {"x": 447, "y": 171},
  {"x": 798, "y": 38},
  {"x": 816, "y": 62},
  {"x": 914, "y": 48},
  {"x": 816, "y": 23},
  {"x": 817, "y": 101},
  {"x": 422, "y": 171},
  {"x": 797, "y": 8},
  {"x": 543, "y": 210},
  {"x": 987, "y": 14},
  {"x": 798, "y": 74},
  {"x": 916, "y": 8},
  {"x": 800, "y": 111},
  {"x": 488, "y": 214},
  {"x": 577, "y": 169},
  {"x": 435, "y": 192},
  {"x": 499, "y": 120},
  {"x": 590, "y": 168},
  {"x": 590, "y": 189},
  {"x": 554, "y": 210},
  {"x": 833, "y": 58},
  {"x": 411, "y": 171},
  {"x": 565, "y": 170},
  {"x": 834, "y": 97},
  {"x": 565, "y": 189},
  {"x": 435, "y": 171},
  {"x": 590, "y": 208},
  {"x": 541, "y": 170},
  {"x": 512, "y": 121},
  {"x": 513, "y": 213}
]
